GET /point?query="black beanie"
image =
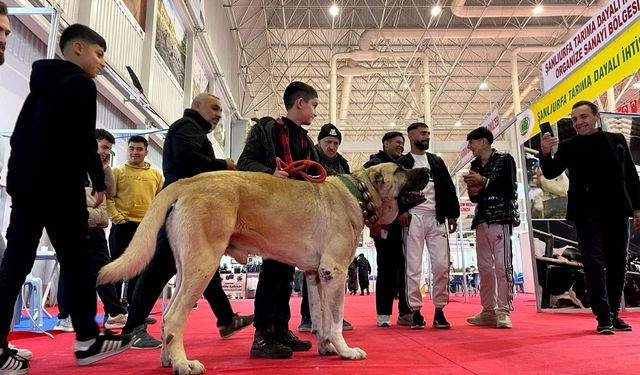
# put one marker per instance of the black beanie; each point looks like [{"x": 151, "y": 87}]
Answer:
[{"x": 329, "y": 130}]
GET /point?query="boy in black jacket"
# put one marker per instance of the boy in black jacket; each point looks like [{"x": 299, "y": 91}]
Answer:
[
  {"x": 287, "y": 139},
  {"x": 58, "y": 120},
  {"x": 492, "y": 186}
]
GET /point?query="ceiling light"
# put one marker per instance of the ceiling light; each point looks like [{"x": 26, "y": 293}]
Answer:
[
  {"x": 538, "y": 9},
  {"x": 328, "y": 86},
  {"x": 636, "y": 85},
  {"x": 392, "y": 124},
  {"x": 334, "y": 10},
  {"x": 436, "y": 10},
  {"x": 406, "y": 85},
  {"x": 439, "y": 154},
  {"x": 457, "y": 123},
  {"x": 484, "y": 86}
]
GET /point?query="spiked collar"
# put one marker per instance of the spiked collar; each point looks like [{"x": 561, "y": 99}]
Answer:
[{"x": 364, "y": 197}]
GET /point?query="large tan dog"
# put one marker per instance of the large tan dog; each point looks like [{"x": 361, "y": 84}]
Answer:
[{"x": 312, "y": 226}]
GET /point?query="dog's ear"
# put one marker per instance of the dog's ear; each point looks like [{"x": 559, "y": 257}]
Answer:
[{"x": 378, "y": 178}]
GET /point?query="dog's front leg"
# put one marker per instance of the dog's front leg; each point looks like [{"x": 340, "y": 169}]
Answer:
[
  {"x": 319, "y": 325},
  {"x": 333, "y": 277}
]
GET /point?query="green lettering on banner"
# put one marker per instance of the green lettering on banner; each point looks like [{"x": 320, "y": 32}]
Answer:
[{"x": 618, "y": 60}]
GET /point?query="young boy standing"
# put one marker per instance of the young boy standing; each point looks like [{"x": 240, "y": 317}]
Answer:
[{"x": 57, "y": 122}]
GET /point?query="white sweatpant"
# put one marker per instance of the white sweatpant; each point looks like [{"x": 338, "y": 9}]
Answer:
[
  {"x": 426, "y": 229},
  {"x": 493, "y": 248}
]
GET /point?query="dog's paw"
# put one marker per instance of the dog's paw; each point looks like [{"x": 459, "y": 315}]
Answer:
[
  {"x": 327, "y": 349},
  {"x": 353, "y": 353},
  {"x": 189, "y": 368}
]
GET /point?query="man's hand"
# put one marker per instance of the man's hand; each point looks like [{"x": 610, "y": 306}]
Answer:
[
  {"x": 473, "y": 178},
  {"x": 404, "y": 219},
  {"x": 281, "y": 173},
  {"x": 231, "y": 165},
  {"x": 106, "y": 160},
  {"x": 100, "y": 195},
  {"x": 547, "y": 143},
  {"x": 636, "y": 219},
  {"x": 453, "y": 225}
]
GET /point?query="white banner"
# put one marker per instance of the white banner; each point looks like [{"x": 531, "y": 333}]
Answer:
[{"x": 603, "y": 27}]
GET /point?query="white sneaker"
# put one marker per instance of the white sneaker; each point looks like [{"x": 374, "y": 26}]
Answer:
[
  {"x": 483, "y": 318},
  {"x": 115, "y": 322},
  {"x": 503, "y": 321},
  {"x": 24, "y": 353},
  {"x": 383, "y": 320},
  {"x": 64, "y": 325},
  {"x": 405, "y": 319}
]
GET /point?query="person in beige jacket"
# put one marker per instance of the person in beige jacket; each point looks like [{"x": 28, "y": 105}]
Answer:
[
  {"x": 115, "y": 311},
  {"x": 136, "y": 184}
]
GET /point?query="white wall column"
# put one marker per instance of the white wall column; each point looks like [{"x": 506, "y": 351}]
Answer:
[
  {"x": 149, "y": 45},
  {"x": 188, "y": 71},
  {"x": 87, "y": 13}
]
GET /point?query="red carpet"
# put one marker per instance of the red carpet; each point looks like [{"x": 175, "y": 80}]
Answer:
[{"x": 539, "y": 343}]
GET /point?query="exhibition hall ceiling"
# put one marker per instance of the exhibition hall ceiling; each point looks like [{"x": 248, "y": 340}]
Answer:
[{"x": 468, "y": 47}]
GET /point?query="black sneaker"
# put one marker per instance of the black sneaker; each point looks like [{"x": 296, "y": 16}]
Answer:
[
  {"x": 141, "y": 339},
  {"x": 238, "y": 323},
  {"x": 106, "y": 345},
  {"x": 418, "y": 321},
  {"x": 292, "y": 341},
  {"x": 12, "y": 363},
  {"x": 265, "y": 346},
  {"x": 621, "y": 325},
  {"x": 605, "y": 328},
  {"x": 439, "y": 321}
]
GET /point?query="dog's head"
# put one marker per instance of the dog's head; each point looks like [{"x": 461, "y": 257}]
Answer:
[{"x": 395, "y": 184}]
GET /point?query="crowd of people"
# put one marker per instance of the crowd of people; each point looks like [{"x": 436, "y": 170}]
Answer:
[{"x": 89, "y": 190}]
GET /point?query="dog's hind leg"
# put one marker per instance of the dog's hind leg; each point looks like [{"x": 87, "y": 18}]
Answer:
[
  {"x": 319, "y": 323},
  {"x": 195, "y": 274},
  {"x": 333, "y": 277}
]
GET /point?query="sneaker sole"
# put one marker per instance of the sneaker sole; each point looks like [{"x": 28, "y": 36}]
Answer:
[
  {"x": 383, "y": 325},
  {"x": 442, "y": 326},
  {"x": 306, "y": 329},
  {"x": 234, "y": 332},
  {"x": 101, "y": 356},
  {"x": 606, "y": 332},
  {"x": 504, "y": 326},
  {"x": 418, "y": 327},
  {"x": 258, "y": 354},
  {"x": 622, "y": 329},
  {"x": 114, "y": 326}
]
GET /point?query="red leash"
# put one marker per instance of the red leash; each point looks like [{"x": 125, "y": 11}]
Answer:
[{"x": 298, "y": 167}]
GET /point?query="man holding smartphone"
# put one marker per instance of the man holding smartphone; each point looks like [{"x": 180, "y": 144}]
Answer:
[{"x": 604, "y": 191}]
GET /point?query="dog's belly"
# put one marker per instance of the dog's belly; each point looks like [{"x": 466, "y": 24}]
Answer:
[{"x": 295, "y": 253}]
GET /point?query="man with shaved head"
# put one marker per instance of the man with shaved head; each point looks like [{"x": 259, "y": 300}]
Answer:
[{"x": 187, "y": 152}]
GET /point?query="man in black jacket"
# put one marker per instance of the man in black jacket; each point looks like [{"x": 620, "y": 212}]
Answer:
[
  {"x": 329, "y": 140},
  {"x": 187, "y": 152},
  {"x": 492, "y": 186},
  {"x": 287, "y": 139},
  {"x": 604, "y": 191},
  {"x": 430, "y": 223},
  {"x": 388, "y": 241}
]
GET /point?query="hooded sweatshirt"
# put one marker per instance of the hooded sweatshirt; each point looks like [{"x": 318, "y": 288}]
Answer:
[
  {"x": 135, "y": 189},
  {"x": 56, "y": 125}
]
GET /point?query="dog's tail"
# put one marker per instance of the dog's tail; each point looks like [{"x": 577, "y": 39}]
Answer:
[{"x": 143, "y": 244}]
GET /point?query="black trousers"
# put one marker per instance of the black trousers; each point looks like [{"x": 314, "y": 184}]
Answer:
[
  {"x": 603, "y": 243},
  {"x": 119, "y": 238},
  {"x": 69, "y": 238},
  {"x": 390, "y": 280},
  {"x": 99, "y": 257},
  {"x": 154, "y": 278},
  {"x": 272, "y": 296},
  {"x": 304, "y": 304}
]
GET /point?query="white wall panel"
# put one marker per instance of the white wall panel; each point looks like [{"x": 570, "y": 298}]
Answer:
[
  {"x": 69, "y": 9},
  {"x": 123, "y": 35},
  {"x": 166, "y": 95}
]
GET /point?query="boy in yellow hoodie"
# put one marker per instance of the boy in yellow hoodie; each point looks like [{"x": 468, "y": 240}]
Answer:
[{"x": 136, "y": 185}]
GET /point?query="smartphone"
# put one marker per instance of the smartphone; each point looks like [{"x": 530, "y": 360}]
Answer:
[{"x": 545, "y": 127}]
